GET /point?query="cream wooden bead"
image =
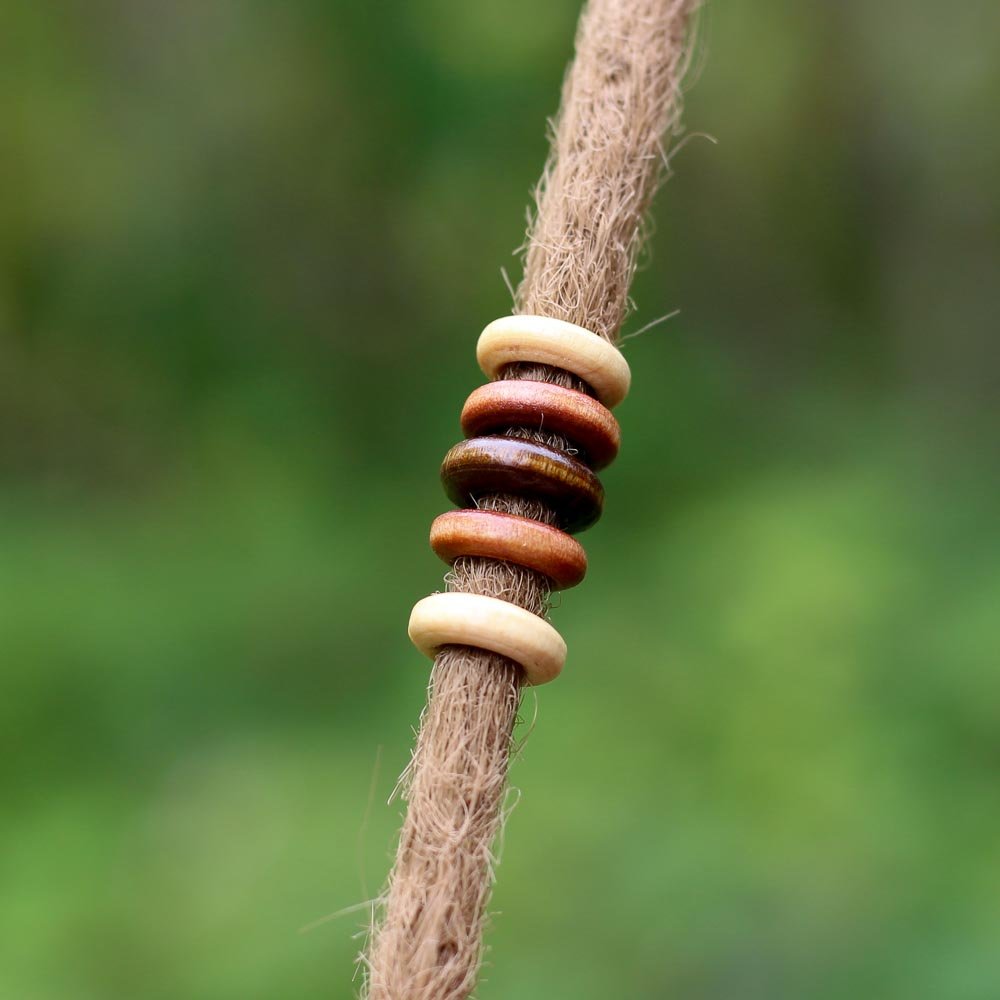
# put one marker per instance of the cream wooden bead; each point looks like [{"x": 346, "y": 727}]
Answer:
[
  {"x": 554, "y": 342},
  {"x": 491, "y": 624}
]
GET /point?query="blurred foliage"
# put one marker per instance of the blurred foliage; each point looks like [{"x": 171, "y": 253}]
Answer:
[{"x": 245, "y": 251}]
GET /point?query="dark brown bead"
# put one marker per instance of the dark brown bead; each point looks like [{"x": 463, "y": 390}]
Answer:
[
  {"x": 518, "y": 540},
  {"x": 543, "y": 406},
  {"x": 488, "y": 465}
]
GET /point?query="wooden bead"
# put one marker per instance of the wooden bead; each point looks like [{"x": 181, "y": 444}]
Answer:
[
  {"x": 554, "y": 342},
  {"x": 491, "y": 624},
  {"x": 487, "y": 465},
  {"x": 542, "y": 406},
  {"x": 518, "y": 540}
]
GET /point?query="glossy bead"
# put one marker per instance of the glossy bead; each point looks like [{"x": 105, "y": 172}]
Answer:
[
  {"x": 509, "y": 465},
  {"x": 491, "y": 624},
  {"x": 545, "y": 407},
  {"x": 518, "y": 540},
  {"x": 554, "y": 342}
]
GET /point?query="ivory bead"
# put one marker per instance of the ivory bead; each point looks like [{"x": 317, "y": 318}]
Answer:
[
  {"x": 542, "y": 406},
  {"x": 518, "y": 540},
  {"x": 554, "y": 342},
  {"x": 491, "y": 624},
  {"x": 511, "y": 465}
]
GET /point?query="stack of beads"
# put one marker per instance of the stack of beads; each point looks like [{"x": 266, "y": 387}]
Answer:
[{"x": 488, "y": 462}]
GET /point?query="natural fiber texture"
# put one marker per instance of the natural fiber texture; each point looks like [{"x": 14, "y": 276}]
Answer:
[{"x": 621, "y": 96}]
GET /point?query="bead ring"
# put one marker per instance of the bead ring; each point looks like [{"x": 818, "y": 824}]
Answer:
[
  {"x": 562, "y": 345},
  {"x": 518, "y": 540},
  {"x": 487, "y": 465},
  {"x": 491, "y": 624},
  {"x": 542, "y": 406}
]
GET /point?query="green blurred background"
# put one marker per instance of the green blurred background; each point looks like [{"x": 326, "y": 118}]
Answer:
[{"x": 245, "y": 252}]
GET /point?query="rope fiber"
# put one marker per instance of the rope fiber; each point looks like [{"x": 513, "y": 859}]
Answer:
[{"x": 621, "y": 96}]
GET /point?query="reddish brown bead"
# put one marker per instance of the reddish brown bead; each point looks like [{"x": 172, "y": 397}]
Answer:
[
  {"x": 541, "y": 406},
  {"x": 518, "y": 540},
  {"x": 488, "y": 465}
]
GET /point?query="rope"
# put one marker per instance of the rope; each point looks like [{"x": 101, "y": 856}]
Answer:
[{"x": 620, "y": 97}]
